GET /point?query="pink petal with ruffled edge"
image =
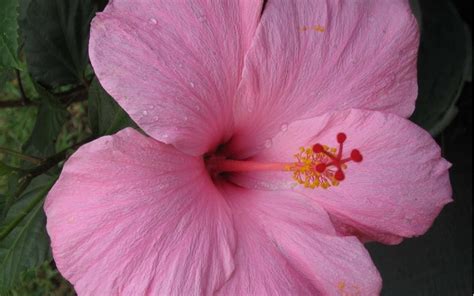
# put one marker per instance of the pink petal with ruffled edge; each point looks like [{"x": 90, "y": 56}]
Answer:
[
  {"x": 175, "y": 66},
  {"x": 397, "y": 191},
  {"x": 286, "y": 246},
  {"x": 132, "y": 216},
  {"x": 311, "y": 57}
]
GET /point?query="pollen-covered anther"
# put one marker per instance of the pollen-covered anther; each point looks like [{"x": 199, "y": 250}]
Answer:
[{"x": 323, "y": 166}]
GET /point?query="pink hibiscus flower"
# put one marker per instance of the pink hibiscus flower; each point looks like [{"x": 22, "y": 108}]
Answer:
[{"x": 277, "y": 145}]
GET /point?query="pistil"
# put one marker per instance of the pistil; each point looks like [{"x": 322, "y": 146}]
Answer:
[
  {"x": 317, "y": 167},
  {"x": 239, "y": 166}
]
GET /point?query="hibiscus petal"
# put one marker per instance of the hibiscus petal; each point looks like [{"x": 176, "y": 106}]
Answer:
[
  {"x": 132, "y": 216},
  {"x": 286, "y": 246},
  {"x": 310, "y": 57},
  {"x": 397, "y": 191},
  {"x": 174, "y": 66}
]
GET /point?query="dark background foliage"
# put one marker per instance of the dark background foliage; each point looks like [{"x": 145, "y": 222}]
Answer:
[
  {"x": 440, "y": 263},
  {"x": 50, "y": 104}
]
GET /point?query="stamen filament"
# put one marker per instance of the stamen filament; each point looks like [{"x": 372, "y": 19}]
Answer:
[{"x": 236, "y": 166}]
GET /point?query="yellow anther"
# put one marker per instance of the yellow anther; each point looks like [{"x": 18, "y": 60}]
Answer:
[
  {"x": 304, "y": 169},
  {"x": 319, "y": 29}
]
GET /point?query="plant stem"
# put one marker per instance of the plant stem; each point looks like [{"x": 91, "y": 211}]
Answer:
[
  {"x": 24, "y": 96},
  {"x": 22, "y": 156},
  {"x": 28, "y": 178},
  {"x": 44, "y": 166},
  {"x": 78, "y": 94},
  {"x": 15, "y": 104},
  {"x": 55, "y": 159}
]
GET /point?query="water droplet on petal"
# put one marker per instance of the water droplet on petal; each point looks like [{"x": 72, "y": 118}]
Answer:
[
  {"x": 145, "y": 113},
  {"x": 153, "y": 21},
  {"x": 198, "y": 108},
  {"x": 193, "y": 85},
  {"x": 284, "y": 127}
]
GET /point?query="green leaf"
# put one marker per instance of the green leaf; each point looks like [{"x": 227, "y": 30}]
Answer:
[
  {"x": 9, "y": 34},
  {"x": 49, "y": 122},
  {"x": 22, "y": 11},
  {"x": 105, "y": 115},
  {"x": 2, "y": 204},
  {"x": 5, "y": 169},
  {"x": 56, "y": 36},
  {"x": 4, "y": 77},
  {"x": 24, "y": 243},
  {"x": 445, "y": 55},
  {"x": 13, "y": 184}
]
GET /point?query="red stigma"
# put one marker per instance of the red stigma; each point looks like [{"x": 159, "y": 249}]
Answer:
[
  {"x": 356, "y": 156},
  {"x": 318, "y": 148},
  {"x": 341, "y": 138},
  {"x": 340, "y": 176},
  {"x": 337, "y": 160}
]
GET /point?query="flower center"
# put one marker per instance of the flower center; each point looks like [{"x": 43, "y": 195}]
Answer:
[
  {"x": 318, "y": 167},
  {"x": 323, "y": 166}
]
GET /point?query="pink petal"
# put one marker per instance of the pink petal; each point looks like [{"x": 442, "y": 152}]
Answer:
[
  {"x": 310, "y": 57},
  {"x": 174, "y": 66},
  {"x": 132, "y": 216},
  {"x": 286, "y": 246},
  {"x": 397, "y": 191}
]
